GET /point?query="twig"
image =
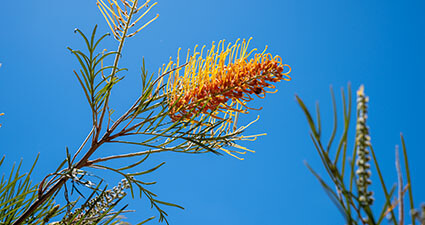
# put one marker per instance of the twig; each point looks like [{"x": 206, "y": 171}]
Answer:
[
  {"x": 91, "y": 162},
  {"x": 82, "y": 145},
  {"x": 400, "y": 187},
  {"x": 396, "y": 201}
]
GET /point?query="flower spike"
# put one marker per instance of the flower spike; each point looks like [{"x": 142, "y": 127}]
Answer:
[{"x": 363, "y": 143}]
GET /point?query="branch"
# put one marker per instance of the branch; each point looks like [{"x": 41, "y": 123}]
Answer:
[
  {"x": 82, "y": 145},
  {"x": 103, "y": 159}
]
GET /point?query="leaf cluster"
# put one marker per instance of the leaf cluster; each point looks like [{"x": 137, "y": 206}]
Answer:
[
  {"x": 91, "y": 76},
  {"x": 16, "y": 195}
]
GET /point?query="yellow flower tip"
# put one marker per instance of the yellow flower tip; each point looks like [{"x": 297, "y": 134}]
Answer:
[
  {"x": 361, "y": 90},
  {"x": 243, "y": 148},
  {"x": 231, "y": 154}
]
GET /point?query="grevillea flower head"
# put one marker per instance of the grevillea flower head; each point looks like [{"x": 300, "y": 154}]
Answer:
[
  {"x": 223, "y": 81},
  {"x": 215, "y": 86}
]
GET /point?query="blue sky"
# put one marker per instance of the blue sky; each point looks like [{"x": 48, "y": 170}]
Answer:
[{"x": 375, "y": 43}]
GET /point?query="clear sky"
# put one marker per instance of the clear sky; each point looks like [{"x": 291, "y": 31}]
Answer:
[{"x": 376, "y": 43}]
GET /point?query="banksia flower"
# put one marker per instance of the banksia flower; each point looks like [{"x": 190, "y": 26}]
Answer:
[
  {"x": 224, "y": 81},
  {"x": 363, "y": 143}
]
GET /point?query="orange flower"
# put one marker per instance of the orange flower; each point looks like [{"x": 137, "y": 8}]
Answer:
[{"x": 223, "y": 81}]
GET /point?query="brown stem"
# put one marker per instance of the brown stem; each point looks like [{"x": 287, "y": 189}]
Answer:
[
  {"x": 91, "y": 162},
  {"x": 45, "y": 196}
]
